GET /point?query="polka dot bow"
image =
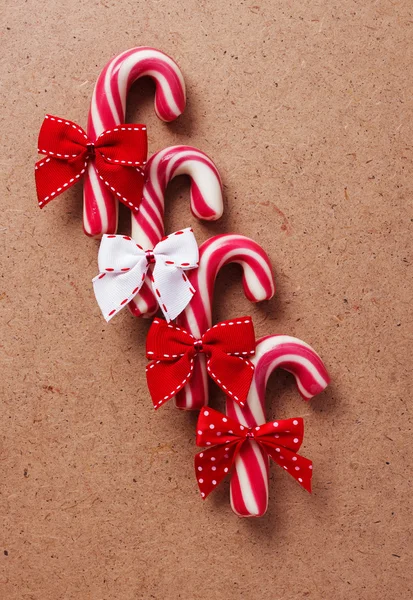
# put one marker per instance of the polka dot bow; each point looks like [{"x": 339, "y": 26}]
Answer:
[
  {"x": 280, "y": 439},
  {"x": 173, "y": 352},
  {"x": 118, "y": 156}
]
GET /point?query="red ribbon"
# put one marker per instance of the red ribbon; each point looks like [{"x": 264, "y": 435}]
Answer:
[
  {"x": 280, "y": 439},
  {"x": 117, "y": 154},
  {"x": 174, "y": 350}
]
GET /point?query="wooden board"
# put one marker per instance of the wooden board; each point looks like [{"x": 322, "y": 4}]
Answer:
[{"x": 306, "y": 108}]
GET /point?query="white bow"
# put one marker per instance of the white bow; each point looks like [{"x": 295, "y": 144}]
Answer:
[{"x": 123, "y": 266}]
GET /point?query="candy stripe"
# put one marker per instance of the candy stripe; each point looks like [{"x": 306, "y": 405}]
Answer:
[
  {"x": 258, "y": 285},
  {"x": 205, "y": 198},
  {"x": 108, "y": 110},
  {"x": 249, "y": 481}
]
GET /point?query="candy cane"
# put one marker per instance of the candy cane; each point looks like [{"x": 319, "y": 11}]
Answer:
[
  {"x": 258, "y": 285},
  {"x": 249, "y": 481},
  {"x": 147, "y": 223},
  {"x": 100, "y": 209}
]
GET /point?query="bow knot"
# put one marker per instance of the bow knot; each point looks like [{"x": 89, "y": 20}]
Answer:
[
  {"x": 150, "y": 257},
  {"x": 173, "y": 352},
  {"x": 225, "y": 437},
  {"x": 90, "y": 149},
  {"x": 118, "y": 156},
  {"x": 123, "y": 266},
  {"x": 199, "y": 347}
]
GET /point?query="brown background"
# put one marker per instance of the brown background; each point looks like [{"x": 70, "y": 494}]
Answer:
[{"x": 306, "y": 108}]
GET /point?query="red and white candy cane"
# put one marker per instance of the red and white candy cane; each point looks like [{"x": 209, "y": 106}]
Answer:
[
  {"x": 249, "y": 480},
  {"x": 107, "y": 110},
  {"x": 148, "y": 222},
  {"x": 258, "y": 284}
]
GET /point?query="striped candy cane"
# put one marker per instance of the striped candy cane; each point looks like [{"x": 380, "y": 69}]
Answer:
[
  {"x": 147, "y": 223},
  {"x": 100, "y": 208},
  {"x": 258, "y": 285},
  {"x": 249, "y": 481}
]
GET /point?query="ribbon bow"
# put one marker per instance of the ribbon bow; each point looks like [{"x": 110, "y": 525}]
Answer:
[
  {"x": 117, "y": 154},
  {"x": 123, "y": 266},
  {"x": 174, "y": 350},
  {"x": 280, "y": 439}
]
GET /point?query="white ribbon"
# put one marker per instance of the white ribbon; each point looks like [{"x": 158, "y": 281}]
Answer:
[{"x": 123, "y": 266}]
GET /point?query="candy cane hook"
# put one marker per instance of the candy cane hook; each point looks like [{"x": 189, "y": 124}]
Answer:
[
  {"x": 258, "y": 284},
  {"x": 108, "y": 106},
  {"x": 249, "y": 480},
  {"x": 148, "y": 222}
]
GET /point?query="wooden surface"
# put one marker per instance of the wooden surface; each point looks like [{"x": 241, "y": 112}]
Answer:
[{"x": 306, "y": 108}]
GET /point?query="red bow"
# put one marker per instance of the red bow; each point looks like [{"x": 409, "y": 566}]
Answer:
[
  {"x": 173, "y": 351},
  {"x": 117, "y": 154},
  {"x": 280, "y": 439}
]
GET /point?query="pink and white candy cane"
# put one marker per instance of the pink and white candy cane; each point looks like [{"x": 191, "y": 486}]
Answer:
[
  {"x": 148, "y": 222},
  {"x": 258, "y": 283},
  {"x": 249, "y": 480},
  {"x": 107, "y": 110}
]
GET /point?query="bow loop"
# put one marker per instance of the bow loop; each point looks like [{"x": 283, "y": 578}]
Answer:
[
  {"x": 179, "y": 250},
  {"x": 215, "y": 428},
  {"x": 224, "y": 437},
  {"x": 117, "y": 155},
  {"x": 288, "y": 432},
  {"x": 118, "y": 254},
  {"x": 235, "y": 336},
  {"x": 118, "y": 146},
  {"x": 61, "y": 139},
  {"x": 167, "y": 344}
]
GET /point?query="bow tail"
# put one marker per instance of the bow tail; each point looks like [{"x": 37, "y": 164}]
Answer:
[
  {"x": 233, "y": 374},
  {"x": 296, "y": 465},
  {"x": 213, "y": 464},
  {"x": 165, "y": 378},
  {"x": 53, "y": 176},
  {"x": 172, "y": 289},
  {"x": 114, "y": 290},
  {"x": 125, "y": 182}
]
